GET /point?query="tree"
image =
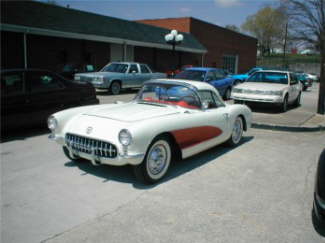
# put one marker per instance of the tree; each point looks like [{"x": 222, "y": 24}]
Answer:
[
  {"x": 308, "y": 20},
  {"x": 232, "y": 27},
  {"x": 267, "y": 25}
]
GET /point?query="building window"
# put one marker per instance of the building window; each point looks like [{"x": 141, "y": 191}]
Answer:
[{"x": 230, "y": 63}]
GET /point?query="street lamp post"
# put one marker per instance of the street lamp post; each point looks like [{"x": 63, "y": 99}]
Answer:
[{"x": 173, "y": 39}]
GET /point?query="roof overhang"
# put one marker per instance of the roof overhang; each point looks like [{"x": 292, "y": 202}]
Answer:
[{"x": 71, "y": 35}]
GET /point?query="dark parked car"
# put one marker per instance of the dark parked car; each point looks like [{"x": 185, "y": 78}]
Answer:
[
  {"x": 319, "y": 194},
  {"x": 69, "y": 70},
  {"x": 29, "y": 96}
]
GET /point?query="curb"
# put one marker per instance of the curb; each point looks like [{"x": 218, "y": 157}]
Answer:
[{"x": 288, "y": 128}]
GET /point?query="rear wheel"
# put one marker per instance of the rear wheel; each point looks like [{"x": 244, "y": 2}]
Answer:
[
  {"x": 156, "y": 162},
  {"x": 115, "y": 88},
  {"x": 237, "y": 132}
]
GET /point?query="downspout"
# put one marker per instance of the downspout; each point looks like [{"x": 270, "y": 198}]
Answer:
[
  {"x": 124, "y": 51},
  {"x": 202, "y": 60},
  {"x": 25, "y": 50}
]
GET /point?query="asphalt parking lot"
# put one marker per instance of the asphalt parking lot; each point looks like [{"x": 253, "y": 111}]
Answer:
[{"x": 260, "y": 191}]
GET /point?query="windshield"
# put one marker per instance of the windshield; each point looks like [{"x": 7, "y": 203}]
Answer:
[
  {"x": 191, "y": 75},
  {"x": 168, "y": 94},
  {"x": 115, "y": 68},
  {"x": 269, "y": 77},
  {"x": 250, "y": 72},
  {"x": 302, "y": 77}
]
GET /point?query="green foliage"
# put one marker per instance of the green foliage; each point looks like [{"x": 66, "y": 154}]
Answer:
[
  {"x": 268, "y": 26},
  {"x": 277, "y": 59}
]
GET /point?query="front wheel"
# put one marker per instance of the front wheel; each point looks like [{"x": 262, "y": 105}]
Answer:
[
  {"x": 156, "y": 162},
  {"x": 284, "y": 106},
  {"x": 115, "y": 88},
  {"x": 237, "y": 132}
]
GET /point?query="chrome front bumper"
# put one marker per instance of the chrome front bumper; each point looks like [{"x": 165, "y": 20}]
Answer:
[
  {"x": 258, "y": 98},
  {"x": 96, "y": 155}
]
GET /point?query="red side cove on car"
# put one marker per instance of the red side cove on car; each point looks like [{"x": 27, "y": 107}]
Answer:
[{"x": 29, "y": 96}]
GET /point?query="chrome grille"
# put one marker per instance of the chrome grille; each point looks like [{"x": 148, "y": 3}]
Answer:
[
  {"x": 86, "y": 145},
  {"x": 85, "y": 79},
  {"x": 249, "y": 91}
]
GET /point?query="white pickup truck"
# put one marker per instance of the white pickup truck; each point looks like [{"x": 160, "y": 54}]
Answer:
[{"x": 117, "y": 75}]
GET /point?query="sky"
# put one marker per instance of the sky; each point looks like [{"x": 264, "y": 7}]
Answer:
[{"x": 219, "y": 12}]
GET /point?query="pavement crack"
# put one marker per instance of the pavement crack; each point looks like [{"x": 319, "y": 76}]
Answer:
[{"x": 95, "y": 218}]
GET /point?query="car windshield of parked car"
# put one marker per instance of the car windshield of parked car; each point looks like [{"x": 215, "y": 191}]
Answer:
[
  {"x": 250, "y": 72},
  {"x": 302, "y": 77},
  {"x": 269, "y": 77},
  {"x": 169, "y": 94},
  {"x": 191, "y": 75},
  {"x": 115, "y": 68}
]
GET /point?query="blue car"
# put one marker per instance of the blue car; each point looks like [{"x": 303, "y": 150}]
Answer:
[
  {"x": 240, "y": 78},
  {"x": 217, "y": 77}
]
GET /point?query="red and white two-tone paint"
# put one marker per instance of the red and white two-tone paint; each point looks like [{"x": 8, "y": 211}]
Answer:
[{"x": 167, "y": 119}]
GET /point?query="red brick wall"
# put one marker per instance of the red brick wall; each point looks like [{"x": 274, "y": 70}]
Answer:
[
  {"x": 180, "y": 24},
  {"x": 219, "y": 41}
]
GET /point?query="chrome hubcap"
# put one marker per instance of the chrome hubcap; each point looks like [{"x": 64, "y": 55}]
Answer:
[
  {"x": 237, "y": 130},
  {"x": 157, "y": 159},
  {"x": 115, "y": 88}
]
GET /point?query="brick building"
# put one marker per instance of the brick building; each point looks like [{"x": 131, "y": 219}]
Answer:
[
  {"x": 40, "y": 35},
  {"x": 225, "y": 48}
]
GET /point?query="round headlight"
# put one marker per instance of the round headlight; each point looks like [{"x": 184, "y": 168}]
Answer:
[
  {"x": 52, "y": 123},
  {"x": 125, "y": 137}
]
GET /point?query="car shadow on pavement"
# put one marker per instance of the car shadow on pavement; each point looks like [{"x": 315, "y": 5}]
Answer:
[
  {"x": 270, "y": 109},
  {"x": 22, "y": 134},
  {"x": 125, "y": 174}
]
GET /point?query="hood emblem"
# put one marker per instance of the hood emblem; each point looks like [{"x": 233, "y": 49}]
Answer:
[{"x": 89, "y": 130}]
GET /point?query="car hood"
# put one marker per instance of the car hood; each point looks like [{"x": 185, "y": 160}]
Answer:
[
  {"x": 261, "y": 86},
  {"x": 131, "y": 112}
]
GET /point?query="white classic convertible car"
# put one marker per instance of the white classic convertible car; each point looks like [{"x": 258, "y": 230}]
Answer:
[{"x": 167, "y": 120}]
